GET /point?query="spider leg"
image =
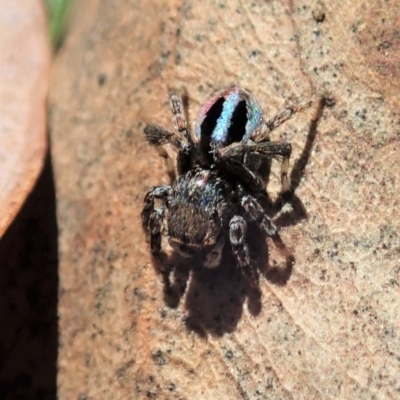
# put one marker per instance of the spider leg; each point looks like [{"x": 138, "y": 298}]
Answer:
[
  {"x": 240, "y": 248},
  {"x": 268, "y": 149},
  {"x": 155, "y": 222},
  {"x": 237, "y": 236},
  {"x": 249, "y": 179},
  {"x": 157, "y": 192},
  {"x": 255, "y": 211},
  {"x": 262, "y": 134},
  {"x": 187, "y": 148},
  {"x": 180, "y": 139},
  {"x": 157, "y": 136},
  {"x": 237, "y": 168},
  {"x": 179, "y": 116},
  {"x": 263, "y": 150}
]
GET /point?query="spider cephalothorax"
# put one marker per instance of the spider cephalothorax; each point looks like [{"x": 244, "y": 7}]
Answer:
[{"x": 220, "y": 178}]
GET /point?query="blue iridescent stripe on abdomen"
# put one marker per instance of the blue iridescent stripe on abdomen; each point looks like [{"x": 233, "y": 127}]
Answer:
[
  {"x": 254, "y": 114},
  {"x": 220, "y": 132}
]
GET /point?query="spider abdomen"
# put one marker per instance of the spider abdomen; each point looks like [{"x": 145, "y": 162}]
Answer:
[{"x": 231, "y": 115}]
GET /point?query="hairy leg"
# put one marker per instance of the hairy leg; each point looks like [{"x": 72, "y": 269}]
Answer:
[
  {"x": 255, "y": 211},
  {"x": 262, "y": 134},
  {"x": 187, "y": 147},
  {"x": 240, "y": 248},
  {"x": 155, "y": 222},
  {"x": 180, "y": 139},
  {"x": 157, "y": 192},
  {"x": 237, "y": 236},
  {"x": 179, "y": 116},
  {"x": 263, "y": 150},
  {"x": 157, "y": 136},
  {"x": 266, "y": 149}
]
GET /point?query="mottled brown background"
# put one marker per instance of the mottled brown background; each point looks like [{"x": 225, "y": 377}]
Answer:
[{"x": 333, "y": 330}]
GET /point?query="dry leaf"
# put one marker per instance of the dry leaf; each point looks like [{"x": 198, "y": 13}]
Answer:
[{"x": 330, "y": 332}]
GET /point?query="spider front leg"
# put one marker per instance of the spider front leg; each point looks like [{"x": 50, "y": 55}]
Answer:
[
  {"x": 232, "y": 165},
  {"x": 179, "y": 116},
  {"x": 264, "y": 150},
  {"x": 261, "y": 135},
  {"x": 187, "y": 146},
  {"x": 157, "y": 136},
  {"x": 157, "y": 192},
  {"x": 181, "y": 140},
  {"x": 255, "y": 211},
  {"x": 155, "y": 223}
]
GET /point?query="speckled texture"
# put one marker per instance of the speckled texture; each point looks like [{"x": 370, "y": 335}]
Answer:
[{"x": 333, "y": 330}]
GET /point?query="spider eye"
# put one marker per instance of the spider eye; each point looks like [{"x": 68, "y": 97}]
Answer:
[
  {"x": 168, "y": 204},
  {"x": 214, "y": 215}
]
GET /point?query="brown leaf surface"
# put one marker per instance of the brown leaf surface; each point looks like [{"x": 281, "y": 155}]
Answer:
[
  {"x": 24, "y": 70},
  {"x": 333, "y": 330}
]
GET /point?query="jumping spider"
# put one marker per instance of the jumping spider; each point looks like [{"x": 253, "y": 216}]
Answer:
[{"x": 221, "y": 177}]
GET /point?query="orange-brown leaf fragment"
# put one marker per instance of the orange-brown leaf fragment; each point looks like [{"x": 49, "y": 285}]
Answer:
[{"x": 24, "y": 69}]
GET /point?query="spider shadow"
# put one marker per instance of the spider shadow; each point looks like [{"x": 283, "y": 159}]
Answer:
[
  {"x": 299, "y": 211},
  {"x": 214, "y": 298}
]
